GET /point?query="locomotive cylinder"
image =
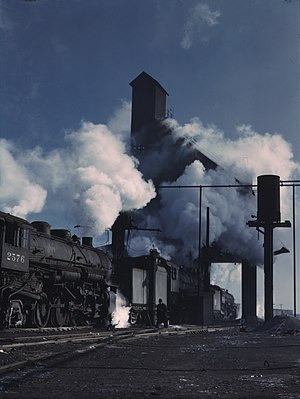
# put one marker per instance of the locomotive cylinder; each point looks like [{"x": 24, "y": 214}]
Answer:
[{"x": 67, "y": 276}]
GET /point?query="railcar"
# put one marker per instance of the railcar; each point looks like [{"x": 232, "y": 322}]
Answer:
[
  {"x": 48, "y": 277},
  {"x": 143, "y": 281}
]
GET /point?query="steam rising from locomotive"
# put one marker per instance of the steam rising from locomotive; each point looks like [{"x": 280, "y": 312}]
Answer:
[{"x": 93, "y": 175}]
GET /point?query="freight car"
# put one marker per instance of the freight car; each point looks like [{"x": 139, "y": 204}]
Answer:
[
  {"x": 145, "y": 279},
  {"x": 48, "y": 278}
]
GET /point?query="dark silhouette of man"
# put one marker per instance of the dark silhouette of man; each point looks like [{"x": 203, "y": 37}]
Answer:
[{"x": 161, "y": 312}]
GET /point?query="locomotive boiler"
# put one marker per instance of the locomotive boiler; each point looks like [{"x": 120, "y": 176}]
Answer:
[{"x": 48, "y": 277}]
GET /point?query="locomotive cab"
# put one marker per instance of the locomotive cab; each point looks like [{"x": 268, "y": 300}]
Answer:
[
  {"x": 14, "y": 241},
  {"x": 14, "y": 264}
]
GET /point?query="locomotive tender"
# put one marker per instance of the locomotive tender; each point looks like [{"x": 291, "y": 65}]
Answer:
[
  {"x": 143, "y": 280},
  {"x": 48, "y": 278}
]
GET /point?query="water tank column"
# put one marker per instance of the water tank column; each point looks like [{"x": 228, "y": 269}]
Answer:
[{"x": 268, "y": 217}]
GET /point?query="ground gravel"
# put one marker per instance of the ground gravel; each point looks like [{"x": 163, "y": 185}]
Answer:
[{"x": 219, "y": 364}]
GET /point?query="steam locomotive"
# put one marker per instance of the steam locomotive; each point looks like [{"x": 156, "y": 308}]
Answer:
[
  {"x": 48, "y": 277},
  {"x": 225, "y": 308}
]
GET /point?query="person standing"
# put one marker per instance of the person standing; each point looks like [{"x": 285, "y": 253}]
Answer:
[{"x": 161, "y": 313}]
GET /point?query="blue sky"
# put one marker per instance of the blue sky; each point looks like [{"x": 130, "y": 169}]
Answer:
[
  {"x": 230, "y": 63},
  {"x": 227, "y": 62}
]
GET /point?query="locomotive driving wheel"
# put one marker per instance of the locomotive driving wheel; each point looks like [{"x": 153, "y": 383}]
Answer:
[
  {"x": 59, "y": 312},
  {"x": 41, "y": 311}
]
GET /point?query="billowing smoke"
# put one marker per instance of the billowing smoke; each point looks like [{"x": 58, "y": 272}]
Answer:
[
  {"x": 92, "y": 178},
  {"x": 89, "y": 181},
  {"x": 239, "y": 161},
  {"x": 140, "y": 244},
  {"x": 19, "y": 195},
  {"x": 107, "y": 179}
]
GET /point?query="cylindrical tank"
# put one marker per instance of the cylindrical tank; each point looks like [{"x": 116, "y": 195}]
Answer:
[
  {"x": 67, "y": 254},
  {"x": 41, "y": 227},
  {"x": 268, "y": 201},
  {"x": 87, "y": 241},
  {"x": 61, "y": 233}
]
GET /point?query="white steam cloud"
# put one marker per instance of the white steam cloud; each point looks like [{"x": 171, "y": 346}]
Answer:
[
  {"x": 108, "y": 178},
  {"x": 139, "y": 245},
  {"x": 91, "y": 180},
  {"x": 19, "y": 195},
  {"x": 199, "y": 16},
  {"x": 121, "y": 313},
  {"x": 240, "y": 162}
]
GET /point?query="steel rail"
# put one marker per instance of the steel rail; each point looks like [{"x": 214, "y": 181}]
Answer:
[{"x": 86, "y": 347}]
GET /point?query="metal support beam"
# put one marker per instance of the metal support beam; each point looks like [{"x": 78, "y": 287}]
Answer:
[
  {"x": 199, "y": 277},
  {"x": 294, "y": 254},
  {"x": 268, "y": 268},
  {"x": 268, "y": 260},
  {"x": 249, "y": 292}
]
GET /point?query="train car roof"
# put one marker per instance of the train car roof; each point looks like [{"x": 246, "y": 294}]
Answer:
[
  {"x": 138, "y": 260},
  {"x": 7, "y": 217},
  {"x": 171, "y": 264}
]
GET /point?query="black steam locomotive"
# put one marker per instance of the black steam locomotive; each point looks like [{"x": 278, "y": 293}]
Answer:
[
  {"x": 225, "y": 308},
  {"x": 48, "y": 278}
]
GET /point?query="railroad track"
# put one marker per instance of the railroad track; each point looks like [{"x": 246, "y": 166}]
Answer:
[{"x": 51, "y": 347}]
